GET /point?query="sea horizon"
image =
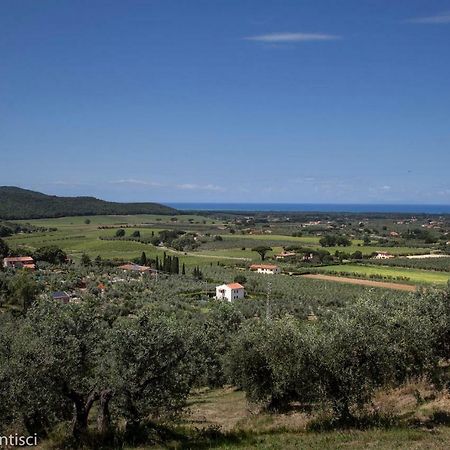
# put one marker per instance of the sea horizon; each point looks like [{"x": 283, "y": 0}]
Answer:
[{"x": 312, "y": 207}]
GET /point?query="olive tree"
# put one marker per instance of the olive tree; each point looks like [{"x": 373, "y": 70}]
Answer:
[
  {"x": 54, "y": 359},
  {"x": 150, "y": 367},
  {"x": 273, "y": 362}
]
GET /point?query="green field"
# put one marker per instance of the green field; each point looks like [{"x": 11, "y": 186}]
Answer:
[
  {"x": 76, "y": 237},
  {"x": 415, "y": 275}
]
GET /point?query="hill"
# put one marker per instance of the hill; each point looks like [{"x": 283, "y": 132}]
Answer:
[{"x": 17, "y": 203}]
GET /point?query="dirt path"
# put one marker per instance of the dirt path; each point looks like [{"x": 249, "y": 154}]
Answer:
[{"x": 371, "y": 283}]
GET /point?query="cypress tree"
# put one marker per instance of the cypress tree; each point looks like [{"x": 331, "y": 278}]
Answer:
[
  {"x": 174, "y": 265},
  {"x": 143, "y": 259}
]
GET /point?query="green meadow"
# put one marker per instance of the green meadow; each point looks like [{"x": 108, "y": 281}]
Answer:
[{"x": 78, "y": 235}]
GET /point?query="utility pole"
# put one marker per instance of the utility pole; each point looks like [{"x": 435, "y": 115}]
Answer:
[{"x": 269, "y": 289}]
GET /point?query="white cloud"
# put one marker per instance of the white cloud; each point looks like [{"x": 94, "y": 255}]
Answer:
[
  {"x": 197, "y": 187},
  {"x": 137, "y": 182},
  {"x": 183, "y": 186},
  {"x": 436, "y": 19},
  {"x": 277, "y": 38}
]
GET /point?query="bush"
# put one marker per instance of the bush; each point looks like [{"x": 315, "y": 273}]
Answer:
[
  {"x": 50, "y": 254},
  {"x": 240, "y": 279}
]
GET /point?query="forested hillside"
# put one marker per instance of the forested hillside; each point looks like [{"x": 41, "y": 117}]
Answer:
[{"x": 17, "y": 203}]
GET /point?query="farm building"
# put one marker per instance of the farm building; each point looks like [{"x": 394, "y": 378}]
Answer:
[
  {"x": 283, "y": 255},
  {"x": 383, "y": 255},
  {"x": 139, "y": 269},
  {"x": 265, "y": 268},
  {"x": 19, "y": 262},
  {"x": 61, "y": 296},
  {"x": 232, "y": 291}
]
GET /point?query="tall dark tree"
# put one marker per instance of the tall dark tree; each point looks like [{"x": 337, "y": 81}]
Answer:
[
  {"x": 120, "y": 232},
  {"x": 51, "y": 254},
  {"x": 4, "y": 249},
  {"x": 143, "y": 260},
  {"x": 85, "y": 260},
  {"x": 262, "y": 251}
]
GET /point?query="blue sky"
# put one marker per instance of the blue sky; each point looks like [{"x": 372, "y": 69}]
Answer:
[{"x": 227, "y": 100}]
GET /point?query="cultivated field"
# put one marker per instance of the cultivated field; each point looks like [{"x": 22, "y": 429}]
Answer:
[
  {"x": 219, "y": 242},
  {"x": 401, "y": 274}
]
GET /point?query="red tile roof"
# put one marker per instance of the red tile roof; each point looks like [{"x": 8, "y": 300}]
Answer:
[
  {"x": 136, "y": 268},
  {"x": 235, "y": 286},
  {"x": 22, "y": 259}
]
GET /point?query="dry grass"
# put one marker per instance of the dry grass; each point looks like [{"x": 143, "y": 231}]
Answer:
[
  {"x": 417, "y": 403},
  {"x": 221, "y": 418}
]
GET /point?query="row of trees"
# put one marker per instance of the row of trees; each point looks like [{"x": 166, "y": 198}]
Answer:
[
  {"x": 343, "y": 360},
  {"x": 61, "y": 363},
  {"x": 169, "y": 264},
  {"x": 332, "y": 240},
  {"x": 50, "y": 254}
]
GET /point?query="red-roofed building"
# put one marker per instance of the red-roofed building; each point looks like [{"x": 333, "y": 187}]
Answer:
[
  {"x": 283, "y": 255},
  {"x": 232, "y": 291},
  {"x": 137, "y": 268},
  {"x": 19, "y": 262},
  {"x": 265, "y": 268}
]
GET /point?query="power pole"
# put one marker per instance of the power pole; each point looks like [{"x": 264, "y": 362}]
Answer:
[{"x": 269, "y": 289}]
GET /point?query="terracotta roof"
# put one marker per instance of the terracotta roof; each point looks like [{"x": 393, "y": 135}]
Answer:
[
  {"x": 22, "y": 259},
  {"x": 136, "y": 268},
  {"x": 235, "y": 286}
]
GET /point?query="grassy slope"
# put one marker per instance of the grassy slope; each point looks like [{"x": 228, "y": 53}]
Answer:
[{"x": 242, "y": 427}]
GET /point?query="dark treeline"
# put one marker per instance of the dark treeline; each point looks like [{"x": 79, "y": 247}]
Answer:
[{"x": 17, "y": 203}]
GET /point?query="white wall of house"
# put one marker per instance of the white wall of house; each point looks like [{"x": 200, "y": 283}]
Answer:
[
  {"x": 268, "y": 271},
  {"x": 224, "y": 292}
]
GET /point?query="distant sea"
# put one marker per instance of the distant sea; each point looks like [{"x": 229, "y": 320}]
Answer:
[{"x": 313, "y": 207}]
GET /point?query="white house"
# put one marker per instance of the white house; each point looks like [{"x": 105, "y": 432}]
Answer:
[
  {"x": 283, "y": 255},
  {"x": 265, "y": 268},
  {"x": 384, "y": 255},
  {"x": 232, "y": 291}
]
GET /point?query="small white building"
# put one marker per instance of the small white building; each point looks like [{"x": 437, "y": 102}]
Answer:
[
  {"x": 265, "y": 268},
  {"x": 283, "y": 255},
  {"x": 384, "y": 255},
  {"x": 232, "y": 291}
]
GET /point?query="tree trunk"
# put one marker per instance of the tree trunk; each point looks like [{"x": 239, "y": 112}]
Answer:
[
  {"x": 104, "y": 417},
  {"x": 81, "y": 411}
]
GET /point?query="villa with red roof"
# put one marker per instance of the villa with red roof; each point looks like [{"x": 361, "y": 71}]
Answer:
[
  {"x": 19, "y": 262},
  {"x": 137, "y": 268},
  {"x": 265, "y": 268},
  {"x": 232, "y": 291}
]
